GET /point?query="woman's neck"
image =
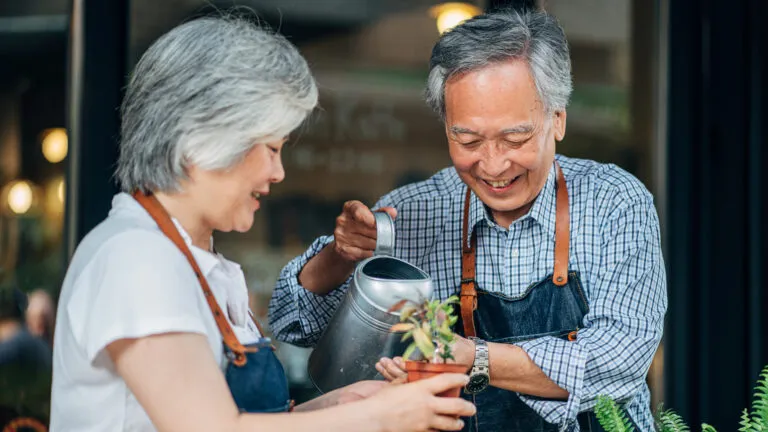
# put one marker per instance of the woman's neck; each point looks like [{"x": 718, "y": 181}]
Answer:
[{"x": 190, "y": 218}]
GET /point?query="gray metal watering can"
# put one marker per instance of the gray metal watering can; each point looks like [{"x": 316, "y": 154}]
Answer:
[{"x": 358, "y": 334}]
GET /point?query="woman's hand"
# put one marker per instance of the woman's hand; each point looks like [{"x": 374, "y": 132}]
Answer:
[
  {"x": 414, "y": 407},
  {"x": 351, "y": 393}
]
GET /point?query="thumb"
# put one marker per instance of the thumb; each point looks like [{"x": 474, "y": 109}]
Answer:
[
  {"x": 391, "y": 211},
  {"x": 444, "y": 382}
]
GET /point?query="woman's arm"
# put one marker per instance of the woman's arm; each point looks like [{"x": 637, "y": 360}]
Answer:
[{"x": 175, "y": 378}]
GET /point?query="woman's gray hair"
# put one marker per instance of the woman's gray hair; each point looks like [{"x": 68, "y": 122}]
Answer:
[
  {"x": 204, "y": 94},
  {"x": 531, "y": 35}
]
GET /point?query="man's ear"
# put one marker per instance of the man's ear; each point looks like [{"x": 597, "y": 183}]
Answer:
[{"x": 559, "y": 125}]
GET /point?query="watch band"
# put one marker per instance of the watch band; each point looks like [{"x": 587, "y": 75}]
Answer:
[{"x": 481, "y": 364}]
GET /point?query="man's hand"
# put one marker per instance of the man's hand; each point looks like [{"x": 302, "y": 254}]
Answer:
[
  {"x": 394, "y": 369},
  {"x": 355, "y": 233},
  {"x": 354, "y": 240}
]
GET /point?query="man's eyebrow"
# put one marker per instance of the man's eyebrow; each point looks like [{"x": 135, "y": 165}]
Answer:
[
  {"x": 462, "y": 130},
  {"x": 521, "y": 129}
]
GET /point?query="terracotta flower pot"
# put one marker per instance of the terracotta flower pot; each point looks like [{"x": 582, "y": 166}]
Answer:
[{"x": 421, "y": 370}]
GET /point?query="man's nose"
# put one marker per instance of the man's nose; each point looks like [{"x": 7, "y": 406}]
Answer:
[{"x": 495, "y": 161}]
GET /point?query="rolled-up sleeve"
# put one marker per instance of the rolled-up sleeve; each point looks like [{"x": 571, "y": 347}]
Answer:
[
  {"x": 296, "y": 315},
  {"x": 624, "y": 325}
]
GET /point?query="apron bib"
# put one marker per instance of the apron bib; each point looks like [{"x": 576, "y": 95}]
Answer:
[{"x": 554, "y": 306}]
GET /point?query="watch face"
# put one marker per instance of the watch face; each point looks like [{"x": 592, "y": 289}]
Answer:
[{"x": 477, "y": 383}]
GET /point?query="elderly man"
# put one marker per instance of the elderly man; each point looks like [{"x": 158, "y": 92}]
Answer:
[{"x": 557, "y": 260}]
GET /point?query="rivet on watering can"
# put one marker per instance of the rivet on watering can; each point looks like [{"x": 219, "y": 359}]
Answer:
[{"x": 559, "y": 278}]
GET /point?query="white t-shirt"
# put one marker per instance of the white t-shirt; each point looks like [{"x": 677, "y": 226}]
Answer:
[{"x": 127, "y": 280}]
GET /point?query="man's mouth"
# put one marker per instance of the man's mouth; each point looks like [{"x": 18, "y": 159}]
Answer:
[
  {"x": 500, "y": 185},
  {"x": 255, "y": 195}
]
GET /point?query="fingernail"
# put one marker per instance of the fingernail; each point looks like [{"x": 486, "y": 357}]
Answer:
[{"x": 461, "y": 423}]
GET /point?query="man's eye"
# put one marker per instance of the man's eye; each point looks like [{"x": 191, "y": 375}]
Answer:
[
  {"x": 469, "y": 143},
  {"x": 274, "y": 150}
]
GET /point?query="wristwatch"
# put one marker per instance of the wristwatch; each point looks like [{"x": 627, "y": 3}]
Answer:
[{"x": 480, "y": 375}]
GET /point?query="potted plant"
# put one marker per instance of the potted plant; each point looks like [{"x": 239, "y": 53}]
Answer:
[{"x": 429, "y": 325}]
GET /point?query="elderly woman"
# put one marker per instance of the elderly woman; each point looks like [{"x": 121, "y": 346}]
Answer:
[{"x": 154, "y": 330}]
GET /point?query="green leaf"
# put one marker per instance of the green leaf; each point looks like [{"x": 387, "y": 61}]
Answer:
[
  {"x": 407, "y": 311},
  {"x": 402, "y": 327},
  {"x": 409, "y": 351},
  {"x": 670, "y": 421},
  {"x": 746, "y": 422},
  {"x": 611, "y": 417},
  {"x": 407, "y": 335},
  {"x": 424, "y": 344},
  {"x": 707, "y": 428}
]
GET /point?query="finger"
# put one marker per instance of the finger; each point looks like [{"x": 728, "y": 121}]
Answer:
[
  {"x": 359, "y": 241},
  {"x": 453, "y": 406},
  {"x": 444, "y": 382},
  {"x": 362, "y": 214},
  {"x": 399, "y": 362},
  {"x": 391, "y": 211},
  {"x": 446, "y": 423},
  {"x": 384, "y": 372},
  {"x": 355, "y": 253},
  {"x": 392, "y": 368},
  {"x": 400, "y": 380}
]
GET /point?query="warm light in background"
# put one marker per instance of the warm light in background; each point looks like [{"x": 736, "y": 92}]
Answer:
[
  {"x": 55, "y": 145},
  {"x": 451, "y": 14},
  {"x": 54, "y": 198},
  {"x": 60, "y": 190},
  {"x": 20, "y": 197}
]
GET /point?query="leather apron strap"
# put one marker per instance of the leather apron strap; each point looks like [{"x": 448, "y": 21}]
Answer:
[
  {"x": 468, "y": 295},
  {"x": 163, "y": 220}
]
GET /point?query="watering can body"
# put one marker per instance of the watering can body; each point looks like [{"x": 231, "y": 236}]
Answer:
[{"x": 358, "y": 335}]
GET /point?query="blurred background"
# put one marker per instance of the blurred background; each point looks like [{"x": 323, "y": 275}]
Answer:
[{"x": 671, "y": 90}]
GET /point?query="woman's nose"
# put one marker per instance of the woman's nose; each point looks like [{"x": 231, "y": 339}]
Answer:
[{"x": 278, "y": 173}]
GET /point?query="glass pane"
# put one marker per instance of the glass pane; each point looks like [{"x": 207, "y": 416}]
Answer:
[{"x": 33, "y": 157}]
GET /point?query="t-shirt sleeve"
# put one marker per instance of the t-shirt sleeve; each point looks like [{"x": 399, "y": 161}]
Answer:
[{"x": 138, "y": 284}]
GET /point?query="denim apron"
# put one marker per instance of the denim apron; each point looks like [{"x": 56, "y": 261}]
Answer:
[
  {"x": 555, "y": 306},
  {"x": 254, "y": 375}
]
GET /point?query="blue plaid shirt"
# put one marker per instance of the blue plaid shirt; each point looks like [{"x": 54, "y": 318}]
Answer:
[{"x": 615, "y": 246}]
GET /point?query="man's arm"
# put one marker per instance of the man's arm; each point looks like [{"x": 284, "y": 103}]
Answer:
[
  {"x": 611, "y": 356},
  {"x": 311, "y": 287},
  {"x": 296, "y": 314}
]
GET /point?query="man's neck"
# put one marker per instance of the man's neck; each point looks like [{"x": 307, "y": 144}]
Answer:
[{"x": 9, "y": 329}]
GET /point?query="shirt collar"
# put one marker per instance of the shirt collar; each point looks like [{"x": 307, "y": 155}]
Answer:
[
  {"x": 542, "y": 211},
  {"x": 124, "y": 205}
]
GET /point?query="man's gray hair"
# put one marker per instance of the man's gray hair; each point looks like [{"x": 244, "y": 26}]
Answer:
[
  {"x": 205, "y": 94},
  {"x": 532, "y": 36}
]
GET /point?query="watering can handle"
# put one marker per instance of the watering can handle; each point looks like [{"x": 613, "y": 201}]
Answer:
[{"x": 385, "y": 234}]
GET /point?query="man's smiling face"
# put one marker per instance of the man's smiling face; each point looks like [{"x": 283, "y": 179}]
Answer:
[{"x": 500, "y": 138}]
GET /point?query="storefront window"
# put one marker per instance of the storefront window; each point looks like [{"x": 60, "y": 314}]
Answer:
[{"x": 33, "y": 155}]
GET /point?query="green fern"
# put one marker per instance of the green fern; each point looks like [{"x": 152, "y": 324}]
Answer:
[
  {"x": 670, "y": 421},
  {"x": 611, "y": 417},
  {"x": 746, "y": 423},
  {"x": 707, "y": 428},
  {"x": 760, "y": 404}
]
